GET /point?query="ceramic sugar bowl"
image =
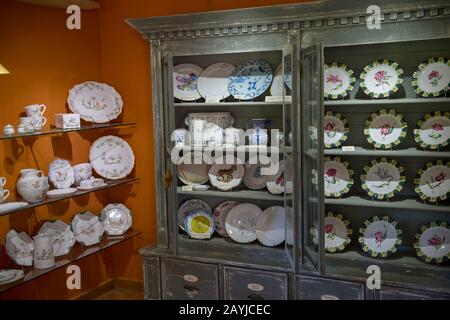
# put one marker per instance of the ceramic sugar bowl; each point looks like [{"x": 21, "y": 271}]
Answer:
[
  {"x": 19, "y": 247},
  {"x": 8, "y": 130},
  {"x": 83, "y": 171}
]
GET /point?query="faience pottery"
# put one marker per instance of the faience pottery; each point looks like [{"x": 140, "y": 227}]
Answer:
[
  {"x": 83, "y": 171},
  {"x": 62, "y": 237},
  {"x": 8, "y": 130},
  {"x": 43, "y": 251},
  {"x": 35, "y": 110},
  {"x": 19, "y": 247}
]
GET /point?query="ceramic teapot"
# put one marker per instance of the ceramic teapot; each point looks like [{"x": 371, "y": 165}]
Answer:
[{"x": 32, "y": 179}]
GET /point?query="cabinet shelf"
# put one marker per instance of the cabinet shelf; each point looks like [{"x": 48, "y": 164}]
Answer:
[
  {"x": 229, "y": 104},
  {"x": 78, "y": 252},
  {"x": 55, "y": 131},
  {"x": 239, "y": 194},
  {"x": 109, "y": 184},
  {"x": 410, "y": 152},
  {"x": 359, "y": 102}
]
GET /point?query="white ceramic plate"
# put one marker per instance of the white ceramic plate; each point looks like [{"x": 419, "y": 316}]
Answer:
[
  {"x": 277, "y": 87},
  {"x": 93, "y": 187},
  {"x": 383, "y": 178},
  {"x": 192, "y": 170},
  {"x": 380, "y": 237},
  {"x": 226, "y": 173},
  {"x": 385, "y": 129},
  {"x": 185, "y": 79},
  {"x": 338, "y": 177},
  {"x": 241, "y": 222},
  {"x": 63, "y": 237},
  {"x": 433, "y": 242},
  {"x": 55, "y": 193},
  {"x": 199, "y": 224},
  {"x": 61, "y": 174},
  {"x": 95, "y": 102},
  {"x": 256, "y": 177},
  {"x": 116, "y": 219},
  {"x": 433, "y": 131},
  {"x": 4, "y": 207},
  {"x": 432, "y": 77},
  {"x": 381, "y": 78},
  {"x": 337, "y": 232},
  {"x": 433, "y": 181},
  {"x": 111, "y": 157},
  {"x": 276, "y": 183},
  {"x": 10, "y": 275},
  {"x": 220, "y": 214},
  {"x": 250, "y": 79},
  {"x": 338, "y": 80},
  {"x": 213, "y": 81},
  {"x": 270, "y": 226},
  {"x": 87, "y": 229},
  {"x": 189, "y": 206},
  {"x": 335, "y": 130}
]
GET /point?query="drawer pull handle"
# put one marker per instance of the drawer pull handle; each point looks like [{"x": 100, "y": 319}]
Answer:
[
  {"x": 328, "y": 297},
  {"x": 191, "y": 291},
  {"x": 255, "y": 296}
]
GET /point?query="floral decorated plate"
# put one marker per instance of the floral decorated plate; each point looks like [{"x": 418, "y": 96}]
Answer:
[
  {"x": 276, "y": 183},
  {"x": 95, "y": 102},
  {"x": 61, "y": 174},
  {"x": 271, "y": 225},
  {"x": 116, "y": 219},
  {"x": 185, "y": 79},
  {"x": 432, "y": 242},
  {"x": 381, "y": 78},
  {"x": 199, "y": 224},
  {"x": 241, "y": 222},
  {"x": 338, "y": 81},
  {"x": 111, "y": 157},
  {"x": 213, "y": 81},
  {"x": 383, "y": 178},
  {"x": 433, "y": 181},
  {"x": 256, "y": 177},
  {"x": 337, "y": 232},
  {"x": 336, "y": 130},
  {"x": 432, "y": 79},
  {"x": 226, "y": 173},
  {"x": 189, "y": 206},
  {"x": 87, "y": 229},
  {"x": 338, "y": 177},
  {"x": 277, "y": 86},
  {"x": 380, "y": 237},
  {"x": 220, "y": 215},
  {"x": 192, "y": 170},
  {"x": 385, "y": 129},
  {"x": 250, "y": 80},
  {"x": 63, "y": 237},
  {"x": 10, "y": 275},
  {"x": 433, "y": 131}
]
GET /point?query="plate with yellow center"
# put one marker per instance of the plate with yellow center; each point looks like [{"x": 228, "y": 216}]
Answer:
[{"x": 199, "y": 224}]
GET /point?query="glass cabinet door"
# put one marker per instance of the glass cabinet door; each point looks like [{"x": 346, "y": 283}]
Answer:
[{"x": 312, "y": 156}]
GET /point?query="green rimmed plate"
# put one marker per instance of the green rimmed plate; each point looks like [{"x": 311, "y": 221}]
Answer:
[
  {"x": 432, "y": 182},
  {"x": 383, "y": 178},
  {"x": 335, "y": 130},
  {"x": 381, "y": 78},
  {"x": 385, "y": 129},
  {"x": 338, "y": 177},
  {"x": 432, "y": 242},
  {"x": 337, "y": 232},
  {"x": 432, "y": 79},
  {"x": 339, "y": 80},
  {"x": 433, "y": 130},
  {"x": 380, "y": 237}
]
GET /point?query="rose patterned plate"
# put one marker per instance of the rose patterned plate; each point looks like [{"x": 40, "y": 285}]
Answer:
[
  {"x": 337, "y": 232},
  {"x": 241, "y": 222},
  {"x": 199, "y": 224},
  {"x": 116, "y": 219},
  {"x": 61, "y": 174},
  {"x": 271, "y": 225},
  {"x": 220, "y": 214},
  {"x": 256, "y": 172},
  {"x": 226, "y": 173},
  {"x": 383, "y": 178},
  {"x": 381, "y": 78},
  {"x": 189, "y": 206},
  {"x": 338, "y": 177},
  {"x": 185, "y": 79},
  {"x": 335, "y": 129},
  {"x": 380, "y": 237},
  {"x": 432, "y": 79},
  {"x": 433, "y": 181},
  {"x": 213, "y": 81},
  {"x": 95, "y": 102},
  {"x": 250, "y": 80},
  {"x": 276, "y": 183},
  {"x": 338, "y": 80},
  {"x": 111, "y": 157},
  {"x": 433, "y": 130},
  {"x": 192, "y": 169},
  {"x": 385, "y": 129},
  {"x": 432, "y": 242},
  {"x": 10, "y": 275}
]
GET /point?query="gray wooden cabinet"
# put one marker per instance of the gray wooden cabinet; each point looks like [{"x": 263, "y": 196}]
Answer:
[{"x": 301, "y": 38}]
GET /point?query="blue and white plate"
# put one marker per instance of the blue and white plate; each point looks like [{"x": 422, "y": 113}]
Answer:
[
  {"x": 250, "y": 80},
  {"x": 288, "y": 71}
]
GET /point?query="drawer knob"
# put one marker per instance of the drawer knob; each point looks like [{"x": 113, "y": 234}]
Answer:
[
  {"x": 191, "y": 291},
  {"x": 328, "y": 297},
  {"x": 255, "y": 287},
  {"x": 190, "y": 278}
]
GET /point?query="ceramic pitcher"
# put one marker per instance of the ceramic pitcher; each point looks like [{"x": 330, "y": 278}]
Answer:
[
  {"x": 43, "y": 251},
  {"x": 31, "y": 178}
]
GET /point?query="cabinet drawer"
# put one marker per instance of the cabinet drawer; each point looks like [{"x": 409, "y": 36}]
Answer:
[
  {"x": 390, "y": 293},
  {"x": 184, "y": 280},
  {"x": 247, "y": 284},
  {"x": 312, "y": 288}
]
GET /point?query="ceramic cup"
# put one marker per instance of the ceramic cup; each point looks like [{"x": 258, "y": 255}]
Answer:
[
  {"x": 35, "y": 110},
  {"x": 21, "y": 129},
  {"x": 39, "y": 122},
  {"x": 8, "y": 130},
  {"x": 2, "y": 182},
  {"x": 28, "y": 122},
  {"x": 83, "y": 171},
  {"x": 260, "y": 123},
  {"x": 43, "y": 251},
  {"x": 3, "y": 195}
]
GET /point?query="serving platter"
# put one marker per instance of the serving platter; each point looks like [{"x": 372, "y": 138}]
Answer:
[
  {"x": 188, "y": 206},
  {"x": 339, "y": 80},
  {"x": 255, "y": 177},
  {"x": 380, "y": 237},
  {"x": 270, "y": 226},
  {"x": 383, "y": 178},
  {"x": 337, "y": 232},
  {"x": 336, "y": 130},
  {"x": 199, "y": 224},
  {"x": 61, "y": 174},
  {"x": 213, "y": 81},
  {"x": 226, "y": 173},
  {"x": 432, "y": 242},
  {"x": 192, "y": 170},
  {"x": 432, "y": 182},
  {"x": 116, "y": 219},
  {"x": 185, "y": 80},
  {"x": 381, "y": 78},
  {"x": 111, "y": 157},
  {"x": 87, "y": 228},
  {"x": 250, "y": 79},
  {"x": 95, "y": 102},
  {"x": 10, "y": 275},
  {"x": 432, "y": 79},
  {"x": 338, "y": 177},
  {"x": 5, "y": 207},
  {"x": 433, "y": 131},
  {"x": 220, "y": 215},
  {"x": 385, "y": 129},
  {"x": 240, "y": 223},
  {"x": 56, "y": 193}
]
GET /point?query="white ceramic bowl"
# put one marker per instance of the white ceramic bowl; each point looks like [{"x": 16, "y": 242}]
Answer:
[{"x": 33, "y": 194}]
